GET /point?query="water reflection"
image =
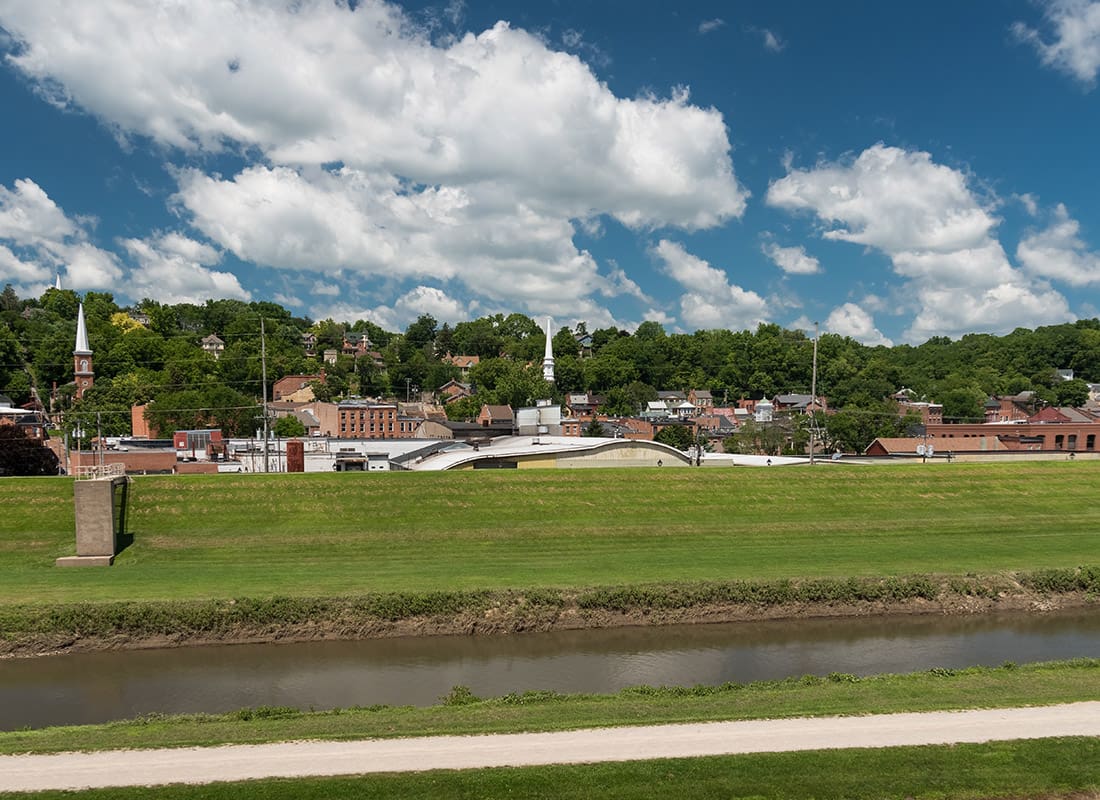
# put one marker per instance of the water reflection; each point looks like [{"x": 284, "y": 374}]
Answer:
[{"x": 95, "y": 687}]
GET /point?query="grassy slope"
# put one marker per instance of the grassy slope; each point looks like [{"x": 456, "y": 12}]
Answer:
[
  {"x": 977, "y": 687},
  {"x": 333, "y": 534}
]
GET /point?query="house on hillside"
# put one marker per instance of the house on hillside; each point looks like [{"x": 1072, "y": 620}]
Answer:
[
  {"x": 213, "y": 345},
  {"x": 464, "y": 363}
]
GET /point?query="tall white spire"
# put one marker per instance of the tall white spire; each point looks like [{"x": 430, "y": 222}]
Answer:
[
  {"x": 57, "y": 282},
  {"x": 82, "y": 348},
  {"x": 548, "y": 360}
]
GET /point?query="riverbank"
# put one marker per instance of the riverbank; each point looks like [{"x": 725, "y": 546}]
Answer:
[
  {"x": 30, "y": 630},
  {"x": 462, "y": 713}
]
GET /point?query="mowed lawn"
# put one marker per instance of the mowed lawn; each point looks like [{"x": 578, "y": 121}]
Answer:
[{"x": 224, "y": 536}]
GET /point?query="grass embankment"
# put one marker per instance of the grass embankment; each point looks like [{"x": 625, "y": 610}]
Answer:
[
  {"x": 1044, "y": 768},
  {"x": 237, "y": 553},
  {"x": 460, "y": 713}
]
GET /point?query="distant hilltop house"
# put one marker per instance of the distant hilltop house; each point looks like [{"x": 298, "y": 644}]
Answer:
[
  {"x": 464, "y": 363},
  {"x": 213, "y": 345},
  {"x": 453, "y": 390}
]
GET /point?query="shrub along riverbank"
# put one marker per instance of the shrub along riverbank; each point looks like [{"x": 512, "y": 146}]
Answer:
[{"x": 29, "y": 629}]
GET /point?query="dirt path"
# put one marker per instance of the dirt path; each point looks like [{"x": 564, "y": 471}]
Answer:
[{"x": 301, "y": 759}]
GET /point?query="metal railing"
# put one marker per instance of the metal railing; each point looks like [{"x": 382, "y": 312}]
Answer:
[{"x": 93, "y": 471}]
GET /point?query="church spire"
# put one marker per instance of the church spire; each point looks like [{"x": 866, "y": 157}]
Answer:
[
  {"x": 82, "y": 356},
  {"x": 57, "y": 282},
  {"x": 81, "y": 334},
  {"x": 548, "y": 360}
]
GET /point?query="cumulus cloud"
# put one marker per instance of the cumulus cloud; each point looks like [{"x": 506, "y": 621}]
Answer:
[
  {"x": 318, "y": 82},
  {"x": 710, "y": 25},
  {"x": 792, "y": 260},
  {"x": 38, "y": 239},
  {"x": 404, "y": 310},
  {"x": 851, "y": 320},
  {"x": 19, "y": 272},
  {"x": 379, "y": 151},
  {"x": 937, "y": 233},
  {"x": 711, "y": 301},
  {"x": 173, "y": 268},
  {"x": 1075, "y": 47},
  {"x": 378, "y": 226},
  {"x": 1059, "y": 253}
]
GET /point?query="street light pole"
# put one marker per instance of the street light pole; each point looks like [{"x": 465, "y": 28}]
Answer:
[
  {"x": 813, "y": 401},
  {"x": 263, "y": 379}
]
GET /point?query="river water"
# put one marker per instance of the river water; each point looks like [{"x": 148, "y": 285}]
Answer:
[{"x": 96, "y": 687}]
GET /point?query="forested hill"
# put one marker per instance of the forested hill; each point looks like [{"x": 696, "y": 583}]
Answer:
[{"x": 152, "y": 351}]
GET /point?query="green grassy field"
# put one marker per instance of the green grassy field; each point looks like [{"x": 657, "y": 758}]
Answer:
[
  {"x": 1042, "y": 768},
  {"x": 227, "y": 536}
]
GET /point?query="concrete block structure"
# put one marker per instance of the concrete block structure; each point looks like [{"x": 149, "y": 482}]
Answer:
[{"x": 100, "y": 521}]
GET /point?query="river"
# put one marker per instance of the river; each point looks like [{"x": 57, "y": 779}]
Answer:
[{"x": 96, "y": 687}]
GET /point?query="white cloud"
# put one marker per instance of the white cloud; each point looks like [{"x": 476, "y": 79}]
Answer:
[
  {"x": 710, "y": 25},
  {"x": 1059, "y": 253},
  {"x": 469, "y": 159},
  {"x": 88, "y": 267},
  {"x": 1075, "y": 49},
  {"x": 28, "y": 217},
  {"x": 316, "y": 83},
  {"x": 619, "y": 283},
  {"x": 1030, "y": 203},
  {"x": 792, "y": 260},
  {"x": 375, "y": 226},
  {"x": 404, "y": 311},
  {"x": 711, "y": 301},
  {"x": 935, "y": 230},
  {"x": 851, "y": 320},
  {"x": 772, "y": 42},
  {"x": 173, "y": 268},
  {"x": 16, "y": 271},
  {"x": 889, "y": 198},
  {"x": 46, "y": 240}
]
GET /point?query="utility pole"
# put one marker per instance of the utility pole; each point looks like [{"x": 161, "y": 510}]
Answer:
[
  {"x": 99, "y": 436},
  {"x": 263, "y": 377},
  {"x": 813, "y": 401}
]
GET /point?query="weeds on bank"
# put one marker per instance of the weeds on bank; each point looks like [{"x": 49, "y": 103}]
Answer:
[{"x": 219, "y": 617}]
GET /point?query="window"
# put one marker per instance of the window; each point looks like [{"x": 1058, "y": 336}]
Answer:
[
  {"x": 1059, "y": 441},
  {"x": 1090, "y": 441},
  {"x": 1072, "y": 441}
]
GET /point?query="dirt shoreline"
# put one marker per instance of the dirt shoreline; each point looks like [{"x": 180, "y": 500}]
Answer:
[{"x": 521, "y": 618}]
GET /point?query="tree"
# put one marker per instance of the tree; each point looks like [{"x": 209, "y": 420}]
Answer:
[
  {"x": 464, "y": 409},
  {"x": 288, "y": 427},
  {"x": 679, "y": 436},
  {"x": 422, "y": 332},
  {"x": 594, "y": 429},
  {"x": 22, "y": 455},
  {"x": 1074, "y": 393}
]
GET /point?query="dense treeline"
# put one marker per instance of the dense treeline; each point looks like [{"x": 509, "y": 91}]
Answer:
[{"x": 162, "y": 360}]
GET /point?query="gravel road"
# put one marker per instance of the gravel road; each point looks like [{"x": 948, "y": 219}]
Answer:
[{"x": 301, "y": 759}]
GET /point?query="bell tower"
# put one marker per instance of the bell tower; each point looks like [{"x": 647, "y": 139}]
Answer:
[{"x": 82, "y": 357}]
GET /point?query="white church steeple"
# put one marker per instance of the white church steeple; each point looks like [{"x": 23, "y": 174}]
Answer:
[
  {"x": 548, "y": 360},
  {"x": 82, "y": 356}
]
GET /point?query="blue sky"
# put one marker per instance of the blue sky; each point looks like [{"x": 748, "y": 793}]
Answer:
[{"x": 892, "y": 172}]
